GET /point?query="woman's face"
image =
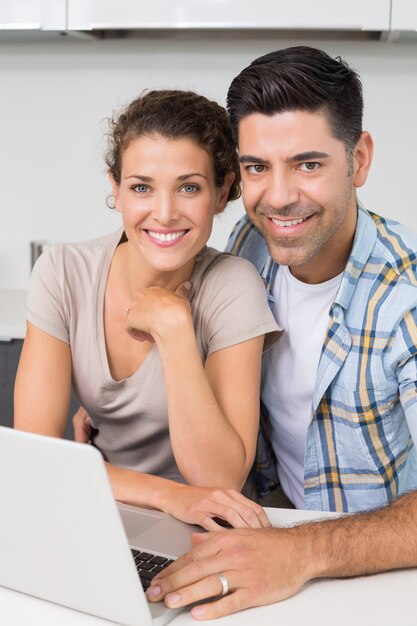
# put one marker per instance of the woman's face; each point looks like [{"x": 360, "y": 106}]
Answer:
[{"x": 168, "y": 197}]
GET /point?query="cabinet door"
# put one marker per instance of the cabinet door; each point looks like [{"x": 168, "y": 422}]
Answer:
[
  {"x": 303, "y": 14},
  {"x": 33, "y": 14},
  {"x": 9, "y": 359},
  {"x": 404, "y": 15}
]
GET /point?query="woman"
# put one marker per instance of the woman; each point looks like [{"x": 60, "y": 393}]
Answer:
[{"x": 160, "y": 336}]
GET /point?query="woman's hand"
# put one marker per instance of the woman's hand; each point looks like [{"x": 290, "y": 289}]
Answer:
[
  {"x": 202, "y": 505},
  {"x": 157, "y": 311}
]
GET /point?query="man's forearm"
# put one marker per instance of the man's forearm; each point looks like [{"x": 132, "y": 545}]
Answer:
[
  {"x": 364, "y": 543},
  {"x": 268, "y": 565}
]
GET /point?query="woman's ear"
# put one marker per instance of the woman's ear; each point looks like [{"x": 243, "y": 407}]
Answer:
[
  {"x": 362, "y": 159},
  {"x": 115, "y": 191},
  {"x": 223, "y": 192}
]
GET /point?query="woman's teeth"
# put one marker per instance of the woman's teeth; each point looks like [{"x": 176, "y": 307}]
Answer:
[{"x": 166, "y": 236}]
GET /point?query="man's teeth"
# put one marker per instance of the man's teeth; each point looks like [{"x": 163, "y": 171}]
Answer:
[
  {"x": 288, "y": 222},
  {"x": 167, "y": 236}
]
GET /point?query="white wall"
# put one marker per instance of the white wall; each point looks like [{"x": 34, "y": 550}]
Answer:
[{"x": 54, "y": 94}]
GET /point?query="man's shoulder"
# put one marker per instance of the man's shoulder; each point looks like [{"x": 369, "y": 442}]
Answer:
[
  {"x": 395, "y": 242},
  {"x": 248, "y": 242}
]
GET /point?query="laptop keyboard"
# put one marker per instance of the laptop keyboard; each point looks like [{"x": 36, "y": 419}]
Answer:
[{"x": 148, "y": 565}]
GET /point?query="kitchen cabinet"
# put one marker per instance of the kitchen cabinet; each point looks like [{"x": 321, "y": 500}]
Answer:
[
  {"x": 9, "y": 360},
  {"x": 404, "y": 15},
  {"x": 33, "y": 15},
  {"x": 281, "y": 14}
]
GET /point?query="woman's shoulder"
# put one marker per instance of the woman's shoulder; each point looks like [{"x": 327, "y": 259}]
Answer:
[{"x": 70, "y": 257}]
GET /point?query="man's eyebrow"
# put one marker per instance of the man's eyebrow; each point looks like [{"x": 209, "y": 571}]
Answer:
[
  {"x": 311, "y": 155},
  {"x": 249, "y": 158},
  {"x": 301, "y": 156}
]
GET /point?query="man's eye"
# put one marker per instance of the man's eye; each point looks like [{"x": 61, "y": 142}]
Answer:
[
  {"x": 309, "y": 166},
  {"x": 189, "y": 188},
  {"x": 140, "y": 188},
  {"x": 256, "y": 169}
]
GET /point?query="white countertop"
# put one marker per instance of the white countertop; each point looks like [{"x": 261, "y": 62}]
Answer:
[{"x": 12, "y": 314}]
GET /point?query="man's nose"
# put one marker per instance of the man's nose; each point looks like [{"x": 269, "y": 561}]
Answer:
[{"x": 282, "y": 190}]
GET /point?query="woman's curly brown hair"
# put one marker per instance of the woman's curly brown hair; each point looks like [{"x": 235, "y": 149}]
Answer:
[{"x": 176, "y": 114}]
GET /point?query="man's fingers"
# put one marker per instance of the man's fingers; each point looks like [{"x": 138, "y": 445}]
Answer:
[
  {"x": 236, "y": 601},
  {"x": 200, "y": 563},
  {"x": 211, "y": 587},
  {"x": 208, "y": 587},
  {"x": 82, "y": 425},
  {"x": 199, "y": 551}
]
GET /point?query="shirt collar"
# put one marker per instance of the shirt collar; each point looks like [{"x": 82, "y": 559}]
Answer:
[{"x": 363, "y": 244}]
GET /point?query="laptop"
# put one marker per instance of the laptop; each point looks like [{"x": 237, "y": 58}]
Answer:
[{"x": 64, "y": 538}]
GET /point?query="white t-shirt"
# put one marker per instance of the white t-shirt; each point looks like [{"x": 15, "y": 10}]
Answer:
[{"x": 290, "y": 369}]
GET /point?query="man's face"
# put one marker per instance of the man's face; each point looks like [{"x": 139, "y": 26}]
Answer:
[{"x": 299, "y": 190}]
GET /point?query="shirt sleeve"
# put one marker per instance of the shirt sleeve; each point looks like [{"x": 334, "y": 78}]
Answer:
[
  {"x": 405, "y": 348},
  {"x": 44, "y": 302},
  {"x": 236, "y": 305},
  {"x": 237, "y": 234}
]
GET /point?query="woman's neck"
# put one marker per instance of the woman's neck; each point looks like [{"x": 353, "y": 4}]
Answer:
[{"x": 133, "y": 273}]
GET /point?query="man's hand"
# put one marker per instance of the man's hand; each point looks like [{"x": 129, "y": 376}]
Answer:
[
  {"x": 268, "y": 565},
  {"x": 261, "y": 567},
  {"x": 82, "y": 426}
]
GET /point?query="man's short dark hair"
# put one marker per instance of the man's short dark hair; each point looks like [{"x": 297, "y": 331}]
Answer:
[{"x": 300, "y": 78}]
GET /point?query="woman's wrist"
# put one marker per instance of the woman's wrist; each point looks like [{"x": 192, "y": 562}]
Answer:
[
  {"x": 139, "y": 489},
  {"x": 168, "y": 331},
  {"x": 166, "y": 494}
]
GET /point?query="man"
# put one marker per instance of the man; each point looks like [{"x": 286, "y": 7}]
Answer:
[{"x": 341, "y": 412}]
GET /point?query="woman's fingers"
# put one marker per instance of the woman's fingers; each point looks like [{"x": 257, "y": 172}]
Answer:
[
  {"x": 215, "y": 508},
  {"x": 239, "y": 511}
]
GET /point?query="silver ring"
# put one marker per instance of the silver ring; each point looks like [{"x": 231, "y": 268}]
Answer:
[{"x": 225, "y": 584}]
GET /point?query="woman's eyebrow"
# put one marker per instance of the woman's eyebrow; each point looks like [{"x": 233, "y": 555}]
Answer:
[
  {"x": 149, "y": 179},
  {"x": 146, "y": 179},
  {"x": 185, "y": 176}
]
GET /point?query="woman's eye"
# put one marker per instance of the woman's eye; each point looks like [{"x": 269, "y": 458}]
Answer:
[
  {"x": 140, "y": 188},
  {"x": 189, "y": 188},
  {"x": 309, "y": 166}
]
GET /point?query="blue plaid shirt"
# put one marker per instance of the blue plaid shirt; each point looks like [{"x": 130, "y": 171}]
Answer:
[{"x": 359, "y": 451}]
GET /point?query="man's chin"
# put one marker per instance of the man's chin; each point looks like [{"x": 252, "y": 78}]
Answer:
[{"x": 283, "y": 254}]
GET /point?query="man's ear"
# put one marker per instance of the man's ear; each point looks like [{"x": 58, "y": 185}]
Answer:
[
  {"x": 115, "y": 191},
  {"x": 223, "y": 192},
  {"x": 362, "y": 159}
]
